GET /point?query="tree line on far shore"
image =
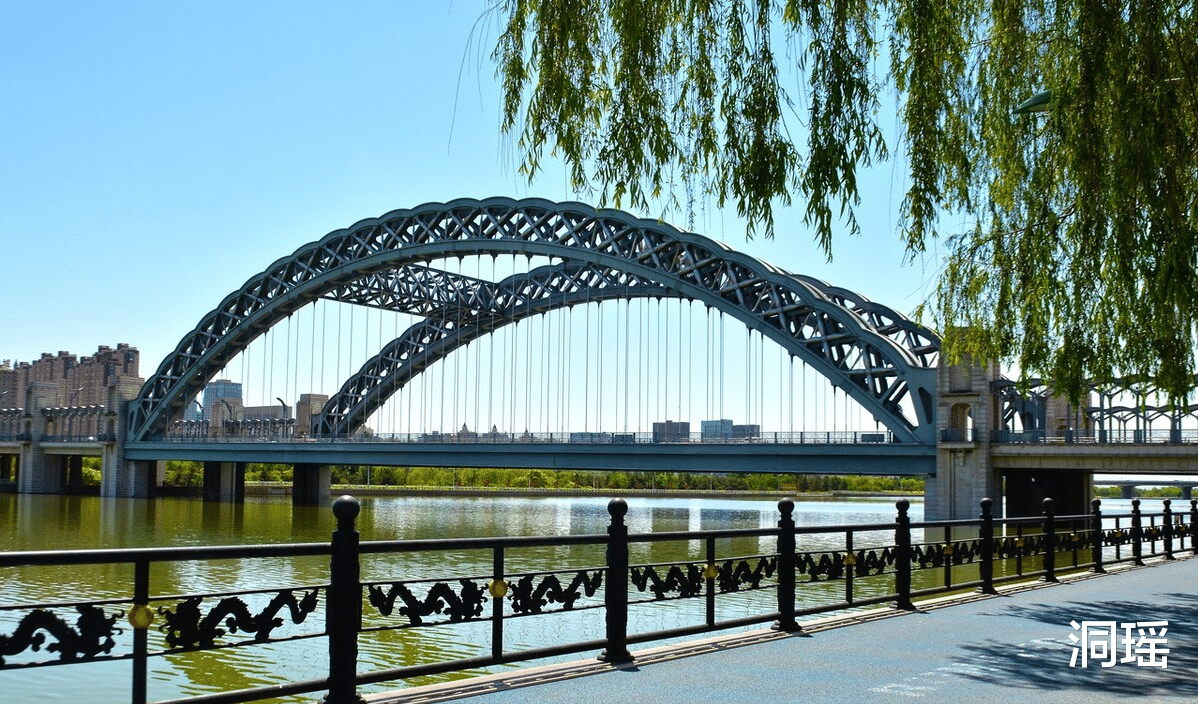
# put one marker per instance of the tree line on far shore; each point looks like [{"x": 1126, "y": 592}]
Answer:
[
  {"x": 1149, "y": 492},
  {"x": 188, "y": 474},
  {"x": 182, "y": 474}
]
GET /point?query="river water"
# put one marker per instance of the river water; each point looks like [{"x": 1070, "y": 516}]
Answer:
[{"x": 55, "y": 522}]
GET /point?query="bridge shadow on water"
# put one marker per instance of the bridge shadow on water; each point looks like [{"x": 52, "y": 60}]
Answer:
[{"x": 1043, "y": 664}]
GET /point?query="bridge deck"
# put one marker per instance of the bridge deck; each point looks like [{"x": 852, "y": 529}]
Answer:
[
  {"x": 836, "y": 458},
  {"x": 1013, "y": 647}
]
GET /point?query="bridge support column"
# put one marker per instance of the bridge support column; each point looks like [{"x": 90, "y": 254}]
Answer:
[
  {"x": 311, "y": 485},
  {"x": 224, "y": 481},
  {"x": 964, "y": 473},
  {"x": 134, "y": 479},
  {"x": 8, "y": 468},
  {"x": 130, "y": 479},
  {"x": 1187, "y": 493},
  {"x": 1127, "y": 492},
  {"x": 74, "y": 474},
  {"x": 37, "y": 473}
]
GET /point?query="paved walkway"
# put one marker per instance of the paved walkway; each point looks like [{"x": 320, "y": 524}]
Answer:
[{"x": 1013, "y": 647}]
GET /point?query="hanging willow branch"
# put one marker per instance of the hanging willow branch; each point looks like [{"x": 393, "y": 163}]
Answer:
[{"x": 1081, "y": 262}]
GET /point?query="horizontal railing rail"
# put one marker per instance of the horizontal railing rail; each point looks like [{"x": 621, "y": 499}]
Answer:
[
  {"x": 806, "y": 437},
  {"x": 736, "y": 577},
  {"x": 1097, "y": 436}
]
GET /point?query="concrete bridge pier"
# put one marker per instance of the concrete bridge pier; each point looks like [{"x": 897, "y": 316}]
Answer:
[
  {"x": 224, "y": 481},
  {"x": 37, "y": 475},
  {"x": 8, "y": 468},
  {"x": 1127, "y": 492},
  {"x": 311, "y": 485},
  {"x": 1187, "y": 493},
  {"x": 74, "y": 474},
  {"x": 133, "y": 479},
  {"x": 130, "y": 479}
]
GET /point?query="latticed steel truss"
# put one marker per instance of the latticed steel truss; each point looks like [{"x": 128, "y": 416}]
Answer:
[
  {"x": 1107, "y": 405},
  {"x": 874, "y": 355}
]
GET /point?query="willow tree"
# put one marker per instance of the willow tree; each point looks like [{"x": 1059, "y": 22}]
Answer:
[{"x": 1080, "y": 262}]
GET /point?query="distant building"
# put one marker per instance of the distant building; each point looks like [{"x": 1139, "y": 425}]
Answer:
[
  {"x": 716, "y": 429},
  {"x": 9, "y": 398},
  {"x": 746, "y": 432},
  {"x": 217, "y": 394},
  {"x": 79, "y": 382},
  {"x": 306, "y": 409},
  {"x": 669, "y": 431},
  {"x": 604, "y": 438},
  {"x": 222, "y": 404},
  {"x": 193, "y": 412},
  {"x": 276, "y": 412}
]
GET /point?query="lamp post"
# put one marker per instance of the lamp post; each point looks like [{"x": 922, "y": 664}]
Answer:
[
  {"x": 71, "y": 416},
  {"x": 232, "y": 416},
  {"x": 1040, "y": 102},
  {"x": 286, "y": 415}
]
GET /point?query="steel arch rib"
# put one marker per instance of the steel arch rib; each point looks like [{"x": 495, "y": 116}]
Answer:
[
  {"x": 841, "y": 342},
  {"x": 514, "y": 299}
]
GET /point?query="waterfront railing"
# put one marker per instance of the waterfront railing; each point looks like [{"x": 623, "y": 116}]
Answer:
[{"x": 789, "y": 572}]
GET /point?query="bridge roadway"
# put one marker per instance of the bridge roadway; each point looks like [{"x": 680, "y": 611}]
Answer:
[
  {"x": 854, "y": 457},
  {"x": 1013, "y": 647},
  {"x": 767, "y": 457}
]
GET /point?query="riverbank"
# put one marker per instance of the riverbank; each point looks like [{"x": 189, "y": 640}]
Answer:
[{"x": 363, "y": 490}]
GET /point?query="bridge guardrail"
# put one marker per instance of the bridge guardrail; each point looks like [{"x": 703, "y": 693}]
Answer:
[
  {"x": 957, "y": 435},
  {"x": 1096, "y": 437},
  {"x": 89, "y": 437},
  {"x": 353, "y": 608},
  {"x": 807, "y": 437}
]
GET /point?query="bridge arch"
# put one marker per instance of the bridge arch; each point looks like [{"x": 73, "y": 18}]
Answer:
[
  {"x": 867, "y": 350},
  {"x": 491, "y": 307}
]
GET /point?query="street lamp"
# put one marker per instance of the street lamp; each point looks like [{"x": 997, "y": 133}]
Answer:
[
  {"x": 71, "y": 416},
  {"x": 286, "y": 415},
  {"x": 232, "y": 416},
  {"x": 1040, "y": 102}
]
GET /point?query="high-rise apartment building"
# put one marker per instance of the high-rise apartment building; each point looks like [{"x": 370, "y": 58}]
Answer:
[
  {"x": 78, "y": 382},
  {"x": 306, "y": 408}
]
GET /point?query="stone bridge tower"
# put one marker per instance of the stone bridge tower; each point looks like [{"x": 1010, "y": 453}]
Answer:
[{"x": 966, "y": 412}]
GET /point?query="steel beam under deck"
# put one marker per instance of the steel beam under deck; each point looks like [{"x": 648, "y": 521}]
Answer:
[{"x": 879, "y": 459}]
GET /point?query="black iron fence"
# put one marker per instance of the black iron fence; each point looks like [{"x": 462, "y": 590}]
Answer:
[{"x": 919, "y": 559}]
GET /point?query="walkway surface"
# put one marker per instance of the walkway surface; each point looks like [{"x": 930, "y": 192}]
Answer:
[{"x": 1014, "y": 647}]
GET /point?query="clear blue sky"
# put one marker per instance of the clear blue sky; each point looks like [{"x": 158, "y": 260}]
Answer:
[{"x": 158, "y": 154}]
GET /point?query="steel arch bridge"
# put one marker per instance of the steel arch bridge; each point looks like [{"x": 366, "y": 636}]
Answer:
[{"x": 881, "y": 359}]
